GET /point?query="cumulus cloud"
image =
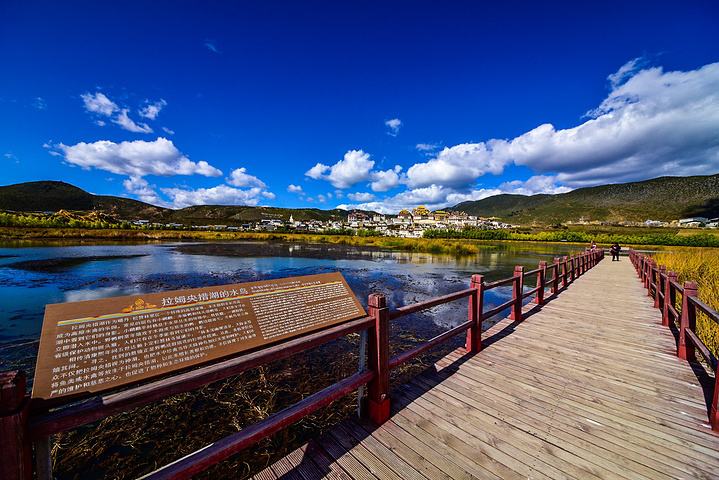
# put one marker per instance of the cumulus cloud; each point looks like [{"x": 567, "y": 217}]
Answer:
[
  {"x": 427, "y": 147},
  {"x": 655, "y": 123},
  {"x": 384, "y": 180},
  {"x": 240, "y": 178},
  {"x": 139, "y": 187},
  {"x": 393, "y": 125},
  {"x": 455, "y": 166},
  {"x": 534, "y": 185},
  {"x": 219, "y": 195},
  {"x": 294, "y": 188},
  {"x": 124, "y": 120},
  {"x": 360, "y": 196},
  {"x": 354, "y": 167},
  {"x": 152, "y": 109},
  {"x": 652, "y": 123},
  {"x": 136, "y": 158},
  {"x": 269, "y": 195}
]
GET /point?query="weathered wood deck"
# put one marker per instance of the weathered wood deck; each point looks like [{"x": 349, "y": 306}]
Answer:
[{"x": 588, "y": 386}]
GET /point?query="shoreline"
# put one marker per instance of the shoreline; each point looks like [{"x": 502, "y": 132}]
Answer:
[{"x": 451, "y": 246}]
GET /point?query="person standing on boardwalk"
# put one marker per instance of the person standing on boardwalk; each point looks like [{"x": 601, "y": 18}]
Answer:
[{"x": 615, "y": 251}]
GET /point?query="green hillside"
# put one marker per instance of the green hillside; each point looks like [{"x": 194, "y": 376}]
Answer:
[
  {"x": 54, "y": 196},
  {"x": 664, "y": 198}
]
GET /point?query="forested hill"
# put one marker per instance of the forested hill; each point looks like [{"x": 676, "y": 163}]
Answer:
[
  {"x": 53, "y": 196},
  {"x": 664, "y": 198}
]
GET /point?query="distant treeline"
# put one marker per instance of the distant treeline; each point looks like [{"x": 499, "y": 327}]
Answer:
[
  {"x": 20, "y": 220},
  {"x": 649, "y": 238}
]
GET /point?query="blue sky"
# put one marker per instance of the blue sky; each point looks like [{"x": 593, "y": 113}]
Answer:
[{"x": 380, "y": 105}]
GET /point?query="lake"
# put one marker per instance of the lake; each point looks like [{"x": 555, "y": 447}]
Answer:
[{"x": 33, "y": 274}]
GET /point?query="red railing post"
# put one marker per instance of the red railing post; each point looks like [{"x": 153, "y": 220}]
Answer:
[
  {"x": 564, "y": 272},
  {"x": 15, "y": 450},
  {"x": 571, "y": 267},
  {"x": 670, "y": 297},
  {"x": 476, "y": 304},
  {"x": 555, "y": 280},
  {"x": 659, "y": 286},
  {"x": 517, "y": 290},
  {"x": 688, "y": 321},
  {"x": 378, "y": 403},
  {"x": 541, "y": 282}
]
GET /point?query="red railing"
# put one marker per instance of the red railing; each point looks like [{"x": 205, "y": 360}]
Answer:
[
  {"x": 663, "y": 287},
  {"x": 24, "y": 423}
]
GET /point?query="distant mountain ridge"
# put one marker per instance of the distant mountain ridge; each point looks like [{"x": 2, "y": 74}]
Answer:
[
  {"x": 44, "y": 196},
  {"x": 663, "y": 198}
]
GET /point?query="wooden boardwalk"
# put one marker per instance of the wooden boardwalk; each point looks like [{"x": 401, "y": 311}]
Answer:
[{"x": 588, "y": 386}]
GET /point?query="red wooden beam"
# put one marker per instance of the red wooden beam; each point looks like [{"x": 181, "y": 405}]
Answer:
[
  {"x": 378, "y": 403},
  {"x": 541, "y": 283},
  {"x": 15, "y": 451},
  {"x": 476, "y": 304},
  {"x": 517, "y": 290},
  {"x": 685, "y": 350}
]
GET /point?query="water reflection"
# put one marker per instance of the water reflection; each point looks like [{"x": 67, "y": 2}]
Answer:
[{"x": 66, "y": 272}]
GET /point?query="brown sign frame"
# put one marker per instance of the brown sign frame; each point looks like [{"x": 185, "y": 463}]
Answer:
[{"x": 94, "y": 346}]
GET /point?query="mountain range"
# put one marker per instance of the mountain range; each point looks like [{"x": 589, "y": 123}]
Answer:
[{"x": 664, "y": 198}]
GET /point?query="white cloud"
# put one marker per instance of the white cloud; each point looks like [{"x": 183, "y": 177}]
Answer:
[
  {"x": 384, "y": 180},
  {"x": 219, "y": 195},
  {"x": 139, "y": 187},
  {"x": 168, "y": 131},
  {"x": 456, "y": 166},
  {"x": 655, "y": 123},
  {"x": 393, "y": 124},
  {"x": 294, "y": 188},
  {"x": 152, "y": 109},
  {"x": 99, "y": 103},
  {"x": 240, "y": 178},
  {"x": 129, "y": 124},
  {"x": 626, "y": 71},
  {"x": 321, "y": 198},
  {"x": 652, "y": 123},
  {"x": 534, "y": 185},
  {"x": 269, "y": 195},
  {"x": 427, "y": 147},
  {"x": 360, "y": 196},
  {"x": 135, "y": 159},
  {"x": 353, "y": 168}
]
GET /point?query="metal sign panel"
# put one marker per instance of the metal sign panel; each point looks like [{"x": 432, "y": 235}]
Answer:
[{"x": 96, "y": 345}]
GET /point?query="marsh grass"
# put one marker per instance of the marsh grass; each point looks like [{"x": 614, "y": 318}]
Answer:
[{"x": 702, "y": 266}]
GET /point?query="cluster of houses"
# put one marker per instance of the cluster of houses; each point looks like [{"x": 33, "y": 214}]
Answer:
[
  {"x": 407, "y": 224},
  {"x": 691, "y": 222}
]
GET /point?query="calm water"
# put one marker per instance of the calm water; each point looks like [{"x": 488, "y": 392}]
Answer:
[{"x": 35, "y": 274}]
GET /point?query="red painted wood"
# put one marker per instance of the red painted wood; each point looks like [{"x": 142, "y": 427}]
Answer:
[
  {"x": 661, "y": 274},
  {"x": 15, "y": 451},
  {"x": 564, "y": 272},
  {"x": 476, "y": 304},
  {"x": 102, "y": 406},
  {"x": 685, "y": 350},
  {"x": 541, "y": 283},
  {"x": 555, "y": 280},
  {"x": 714, "y": 409},
  {"x": 517, "y": 290},
  {"x": 378, "y": 402},
  {"x": 204, "y": 458},
  {"x": 669, "y": 297}
]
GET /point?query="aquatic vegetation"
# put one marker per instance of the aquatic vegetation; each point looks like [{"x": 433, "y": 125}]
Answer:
[{"x": 702, "y": 266}]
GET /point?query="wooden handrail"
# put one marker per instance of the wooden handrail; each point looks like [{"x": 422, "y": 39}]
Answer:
[
  {"x": 21, "y": 422},
  {"x": 662, "y": 286}
]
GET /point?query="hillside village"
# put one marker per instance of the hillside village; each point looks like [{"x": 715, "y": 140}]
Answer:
[{"x": 406, "y": 224}]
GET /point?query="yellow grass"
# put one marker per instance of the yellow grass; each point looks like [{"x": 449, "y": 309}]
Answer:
[{"x": 702, "y": 266}]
